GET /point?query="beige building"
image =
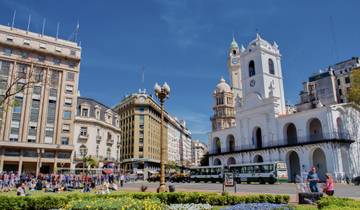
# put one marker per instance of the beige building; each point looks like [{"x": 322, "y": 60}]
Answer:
[
  {"x": 140, "y": 138},
  {"x": 32, "y": 134},
  {"x": 96, "y": 134},
  {"x": 198, "y": 149}
]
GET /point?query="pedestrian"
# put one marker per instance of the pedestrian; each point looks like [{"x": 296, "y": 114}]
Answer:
[
  {"x": 313, "y": 179},
  {"x": 21, "y": 190},
  {"x": 122, "y": 179},
  {"x": 329, "y": 185}
]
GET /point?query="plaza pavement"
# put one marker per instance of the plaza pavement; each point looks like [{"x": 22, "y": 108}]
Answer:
[{"x": 341, "y": 190}]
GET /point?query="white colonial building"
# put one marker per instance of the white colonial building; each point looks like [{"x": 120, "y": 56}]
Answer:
[{"x": 265, "y": 129}]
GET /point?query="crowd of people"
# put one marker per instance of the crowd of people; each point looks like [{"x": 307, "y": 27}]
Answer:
[{"x": 101, "y": 183}]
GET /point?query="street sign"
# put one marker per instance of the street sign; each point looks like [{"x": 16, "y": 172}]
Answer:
[{"x": 229, "y": 179}]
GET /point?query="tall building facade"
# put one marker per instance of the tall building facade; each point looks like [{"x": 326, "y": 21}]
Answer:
[
  {"x": 140, "y": 117},
  {"x": 198, "y": 149},
  {"x": 326, "y": 137},
  {"x": 140, "y": 138},
  {"x": 32, "y": 138},
  {"x": 96, "y": 134}
]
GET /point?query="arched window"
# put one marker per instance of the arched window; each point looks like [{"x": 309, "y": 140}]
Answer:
[
  {"x": 231, "y": 143},
  {"x": 271, "y": 67},
  {"x": 83, "y": 150},
  {"x": 251, "y": 68},
  {"x": 257, "y": 137},
  {"x": 315, "y": 129},
  {"x": 108, "y": 153}
]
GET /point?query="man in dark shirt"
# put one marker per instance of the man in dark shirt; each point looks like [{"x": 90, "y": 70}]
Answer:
[{"x": 313, "y": 179}]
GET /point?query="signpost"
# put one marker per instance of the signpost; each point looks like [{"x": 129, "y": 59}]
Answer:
[{"x": 229, "y": 181}]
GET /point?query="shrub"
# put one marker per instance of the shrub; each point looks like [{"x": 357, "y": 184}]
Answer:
[
  {"x": 56, "y": 201},
  {"x": 330, "y": 203}
]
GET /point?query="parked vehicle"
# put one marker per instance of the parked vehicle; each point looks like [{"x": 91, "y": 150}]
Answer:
[{"x": 356, "y": 180}]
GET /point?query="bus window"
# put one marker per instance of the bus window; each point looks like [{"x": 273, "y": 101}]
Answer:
[{"x": 257, "y": 169}]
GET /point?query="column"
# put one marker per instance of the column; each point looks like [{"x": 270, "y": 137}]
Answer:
[
  {"x": 55, "y": 162},
  {"x": 2, "y": 151},
  {"x": 20, "y": 163}
]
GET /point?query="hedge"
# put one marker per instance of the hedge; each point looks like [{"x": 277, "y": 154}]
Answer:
[
  {"x": 56, "y": 201},
  {"x": 332, "y": 203}
]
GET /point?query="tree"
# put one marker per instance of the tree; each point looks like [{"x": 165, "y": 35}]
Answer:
[
  {"x": 17, "y": 81},
  {"x": 205, "y": 159},
  {"x": 354, "y": 93},
  {"x": 90, "y": 162}
]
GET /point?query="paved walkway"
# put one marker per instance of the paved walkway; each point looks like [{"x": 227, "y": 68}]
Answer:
[{"x": 341, "y": 190}]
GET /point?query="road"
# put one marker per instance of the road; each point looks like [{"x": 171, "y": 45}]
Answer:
[{"x": 341, "y": 190}]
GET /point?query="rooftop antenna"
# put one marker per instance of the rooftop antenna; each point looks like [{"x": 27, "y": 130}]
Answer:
[
  {"x": 77, "y": 30},
  {"x": 28, "y": 25},
  {"x": 57, "y": 30},
  {"x": 13, "y": 20},
  {"x": 43, "y": 27}
]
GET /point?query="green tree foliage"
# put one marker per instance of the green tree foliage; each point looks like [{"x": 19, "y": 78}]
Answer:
[
  {"x": 205, "y": 159},
  {"x": 354, "y": 93}
]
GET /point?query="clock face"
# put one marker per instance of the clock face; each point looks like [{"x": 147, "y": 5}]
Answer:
[
  {"x": 234, "y": 60},
  {"x": 141, "y": 99},
  {"x": 252, "y": 83}
]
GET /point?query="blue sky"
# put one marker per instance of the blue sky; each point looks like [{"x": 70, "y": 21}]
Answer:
[{"x": 185, "y": 43}]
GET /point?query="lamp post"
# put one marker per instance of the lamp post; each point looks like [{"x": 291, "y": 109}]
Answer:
[{"x": 162, "y": 93}]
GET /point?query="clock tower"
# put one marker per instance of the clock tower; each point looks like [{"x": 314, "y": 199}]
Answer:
[
  {"x": 262, "y": 75},
  {"x": 234, "y": 68}
]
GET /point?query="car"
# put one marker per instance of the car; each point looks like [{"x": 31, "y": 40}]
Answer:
[{"x": 356, "y": 180}]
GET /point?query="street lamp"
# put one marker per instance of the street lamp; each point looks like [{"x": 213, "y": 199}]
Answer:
[{"x": 162, "y": 93}]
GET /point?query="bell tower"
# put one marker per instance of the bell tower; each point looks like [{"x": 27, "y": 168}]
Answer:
[
  {"x": 233, "y": 63},
  {"x": 224, "y": 109},
  {"x": 262, "y": 75}
]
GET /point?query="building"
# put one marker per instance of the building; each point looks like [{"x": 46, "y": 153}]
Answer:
[
  {"x": 140, "y": 117},
  {"x": 32, "y": 134},
  {"x": 174, "y": 136},
  {"x": 325, "y": 136},
  {"x": 96, "y": 134},
  {"x": 329, "y": 87},
  {"x": 198, "y": 150},
  {"x": 185, "y": 146}
]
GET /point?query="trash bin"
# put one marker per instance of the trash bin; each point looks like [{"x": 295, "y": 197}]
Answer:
[
  {"x": 171, "y": 188},
  {"x": 309, "y": 197}
]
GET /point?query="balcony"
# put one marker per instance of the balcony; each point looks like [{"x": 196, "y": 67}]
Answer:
[
  {"x": 334, "y": 137},
  {"x": 83, "y": 137},
  {"x": 110, "y": 141},
  {"x": 98, "y": 139}
]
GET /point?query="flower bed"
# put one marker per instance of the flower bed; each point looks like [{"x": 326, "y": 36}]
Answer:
[
  {"x": 189, "y": 206},
  {"x": 56, "y": 201},
  {"x": 256, "y": 206}
]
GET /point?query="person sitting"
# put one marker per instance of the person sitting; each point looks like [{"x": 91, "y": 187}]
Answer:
[
  {"x": 38, "y": 185},
  {"x": 21, "y": 190},
  {"x": 329, "y": 185}
]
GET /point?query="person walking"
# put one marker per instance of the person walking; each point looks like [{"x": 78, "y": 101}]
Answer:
[
  {"x": 329, "y": 185},
  {"x": 122, "y": 179},
  {"x": 313, "y": 179}
]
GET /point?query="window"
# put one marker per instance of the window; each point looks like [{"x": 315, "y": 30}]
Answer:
[
  {"x": 66, "y": 128},
  {"x": 67, "y": 115},
  {"x": 34, "y": 112},
  {"x": 68, "y": 102},
  {"x": 70, "y": 76},
  {"x": 42, "y": 46},
  {"x": 24, "y": 55},
  {"x": 26, "y": 42},
  {"x": 97, "y": 114},
  {"x": 251, "y": 68},
  {"x": 271, "y": 67},
  {"x": 97, "y": 151},
  {"x": 49, "y": 131},
  {"x": 7, "y": 51},
  {"x": 347, "y": 80},
  {"x": 51, "y": 111},
  {"x": 69, "y": 89},
  {"x": 338, "y": 81},
  {"x": 9, "y": 39},
  {"x": 57, "y": 61},
  {"x": 340, "y": 92},
  {"x": 41, "y": 58},
  {"x": 83, "y": 131},
  {"x": 108, "y": 153},
  {"x": 84, "y": 112}
]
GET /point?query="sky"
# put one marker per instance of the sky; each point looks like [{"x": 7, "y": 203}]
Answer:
[{"x": 186, "y": 42}]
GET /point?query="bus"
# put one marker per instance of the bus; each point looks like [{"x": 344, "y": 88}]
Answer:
[
  {"x": 207, "y": 174},
  {"x": 266, "y": 172}
]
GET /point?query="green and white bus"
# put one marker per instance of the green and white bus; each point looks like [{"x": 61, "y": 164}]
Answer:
[
  {"x": 266, "y": 172},
  {"x": 207, "y": 174}
]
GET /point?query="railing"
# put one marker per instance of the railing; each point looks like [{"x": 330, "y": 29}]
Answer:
[
  {"x": 98, "y": 138},
  {"x": 83, "y": 137},
  {"x": 299, "y": 140}
]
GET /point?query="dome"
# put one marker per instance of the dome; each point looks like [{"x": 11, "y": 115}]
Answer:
[
  {"x": 259, "y": 41},
  {"x": 234, "y": 44},
  {"x": 222, "y": 86}
]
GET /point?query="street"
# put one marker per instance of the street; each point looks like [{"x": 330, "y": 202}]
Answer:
[{"x": 341, "y": 190}]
